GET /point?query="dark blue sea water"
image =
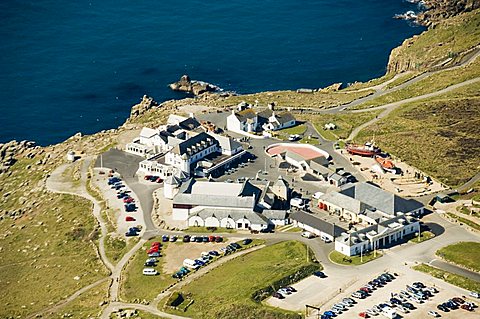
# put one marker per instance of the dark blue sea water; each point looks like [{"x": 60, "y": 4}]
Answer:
[{"x": 69, "y": 66}]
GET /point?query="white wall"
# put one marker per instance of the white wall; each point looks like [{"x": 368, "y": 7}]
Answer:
[
  {"x": 179, "y": 214},
  {"x": 233, "y": 124}
]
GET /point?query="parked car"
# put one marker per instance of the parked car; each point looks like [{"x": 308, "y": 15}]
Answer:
[
  {"x": 152, "y": 250},
  {"x": 466, "y": 307},
  {"x": 474, "y": 294},
  {"x": 278, "y": 295},
  {"x": 150, "y": 272},
  {"x": 128, "y": 200},
  {"x": 218, "y": 239},
  {"x": 442, "y": 308},
  {"x": 236, "y": 245},
  {"x": 211, "y": 238},
  {"x": 320, "y": 274},
  {"x": 129, "y": 219},
  {"x": 159, "y": 180},
  {"x": 131, "y": 233},
  {"x": 186, "y": 239},
  {"x": 121, "y": 195},
  {"x": 214, "y": 253},
  {"x": 433, "y": 313},
  {"x": 408, "y": 305},
  {"x": 149, "y": 264},
  {"x": 165, "y": 238},
  {"x": 205, "y": 239},
  {"x": 173, "y": 238},
  {"x": 458, "y": 300},
  {"x": 154, "y": 254},
  {"x": 246, "y": 241}
]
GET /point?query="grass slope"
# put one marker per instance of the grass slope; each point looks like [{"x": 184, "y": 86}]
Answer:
[
  {"x": 440, "y": 137},
  {"x": 466, "y": 254},
  {"x": 226, "y": 291}
]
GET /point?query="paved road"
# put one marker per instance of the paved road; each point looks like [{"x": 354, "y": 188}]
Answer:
[
  {"x": 455, "y": 269},
  {"x": 127, "y": 164}
]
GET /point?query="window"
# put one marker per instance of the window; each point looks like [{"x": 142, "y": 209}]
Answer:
[{"x": 239, "y": 225}]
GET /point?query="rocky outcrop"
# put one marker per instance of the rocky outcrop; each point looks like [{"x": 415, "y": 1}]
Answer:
[
  {"x": 9, "y": 153},
  {"x": 186, "y": 85},
  {"x": 146, "y": 104},
  {"x": 331, "y": 88},
  {"x": 439, "y": 10}
]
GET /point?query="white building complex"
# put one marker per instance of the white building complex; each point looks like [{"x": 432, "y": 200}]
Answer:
[
  {"x": 246, "y": 119},
  {"x": 182, "y": 145},
  {"x": 378, "y": 218},
  {"x": 252, "y": 205}
]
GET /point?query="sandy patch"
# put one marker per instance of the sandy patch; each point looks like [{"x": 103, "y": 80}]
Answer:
[{"x": 175, "y": 253}]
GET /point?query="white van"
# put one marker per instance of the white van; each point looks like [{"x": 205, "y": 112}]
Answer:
[
  {"x": 307, "y": 234},
  {"x": 389, "y": 313},
  {"x": 150, "y": 272},
  {"x": 317, "y": 195},
  {"x": 297, "y": 202},
  {"x": 189, "y": 263}
]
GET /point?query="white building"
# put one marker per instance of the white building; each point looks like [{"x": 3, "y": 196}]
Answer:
[
  {"x": 229, "y": 205},
  {"x": 381, "y": 218},
  {"x": 278, "y": 121},
  {"x": 243, "y": 121}
]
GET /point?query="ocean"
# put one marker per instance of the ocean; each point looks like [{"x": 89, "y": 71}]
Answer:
[{"x": 79, "y": 66}]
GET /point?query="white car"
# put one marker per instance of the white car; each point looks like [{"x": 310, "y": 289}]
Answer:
[
  {"x": 474, "y": 294},
  {"x": 307, "y": 234},
  {"x": 150, "y": 272},
  {"x": 317, "y": 195},
  {"x": 433, "y": 314}
]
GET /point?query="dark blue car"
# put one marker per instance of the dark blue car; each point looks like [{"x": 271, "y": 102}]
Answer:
[{"x": 329, "y": 313}]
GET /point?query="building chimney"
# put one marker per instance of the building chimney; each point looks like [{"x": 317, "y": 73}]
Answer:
[{"x": 191, "y": 115}]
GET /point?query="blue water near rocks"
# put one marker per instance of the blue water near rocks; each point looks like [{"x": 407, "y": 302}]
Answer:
[{"x": 70, "y": 66}]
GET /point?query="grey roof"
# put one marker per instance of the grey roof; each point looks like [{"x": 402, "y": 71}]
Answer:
[
  {"x": 220, "y": 214},
  {"x": 382, "y": 200},
  {"x": 284, "y": 117},
  {"x": 189, "y": 124},
  {"x": 320, "y": 160},
  {"x": 281, "y": 182},
  {"x": 173, "y": 180},
  {"x": 246, "y": 114},
  {"x": 275, "y": 214},
  {"x": 216, "y": 194},
  {"x": 196, "y": 140},
  {"x": 294, "y": 156},
  {"x": 264, "y": 114},
  {"x": 351, "y": 204},
  {"x": 225, "y": 142},
  {"x": 322, "y": 170},
  {"x": 148, "y": 132},
  {"x": 336, "y": 177},
  {"x": 317, "y": 223}
]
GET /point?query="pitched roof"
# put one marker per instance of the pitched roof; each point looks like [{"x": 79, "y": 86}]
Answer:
[
  {"x": 351, "y": 204},
  {"x": 195, "y": 141},
  {"x": 220, "y": 214},
  {"x": 148, "y": 132},
  {"x": 317, "y": 223},
  {"x": 225, "y": 142},
  {"x": 246, "y": 114},
  {"x": 382, "y": 200},
  {"x": 284, "y": 117},
  {"x": 275, "y": 214}
]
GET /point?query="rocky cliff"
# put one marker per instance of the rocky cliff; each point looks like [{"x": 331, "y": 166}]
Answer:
[
  {"x": 439, "y": 10},
  {"x": 185, "y": 84},
  {"x": 453, "y": 33}
]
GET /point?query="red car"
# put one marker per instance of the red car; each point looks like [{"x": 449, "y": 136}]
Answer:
[
  {"x": 129, "y": 219},
  {"x": 156, "y": 244},
  {"x": 218, "y": 239},
  {"x": 128, "y": 200},
  {"x": 363, "y": 315},
  {"x": 152, "y": 250},
  {"x": 147, "y": 177},
  {"x": 211, "y": 238},
  {"x": 365, "y": 289},
  {"x": 159, "y": 180}
]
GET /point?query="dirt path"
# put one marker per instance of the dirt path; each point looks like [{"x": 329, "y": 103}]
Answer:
[
  {"x": 392, "y": 106},
  {"x": 116, "y": 306}
]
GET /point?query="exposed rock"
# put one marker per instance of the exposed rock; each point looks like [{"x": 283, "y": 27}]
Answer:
[
  {"x": 10, "y": 152},
  {"x": 185, "y": 84},
  {"x": 144, "y": 105},
  {"x": 331, "y": 88},
  {"x": 439, "y": 10}
]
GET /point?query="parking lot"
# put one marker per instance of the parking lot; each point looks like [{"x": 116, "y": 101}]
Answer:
[
  {"x": 117, "y": 205},
  {"x": 341, "y": 283}
]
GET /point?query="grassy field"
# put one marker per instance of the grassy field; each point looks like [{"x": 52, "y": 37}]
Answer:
[
  {"x": 446, "y": 40},
  {"x": 446, "y": 276},
  {"x": 87, "y": 305},
  {"x": 440, "y": 137},
  {"x": 285, "y": 133},
  {"x": 47, "y": 250},
  {"x": 368, "y": 84},
  {"x": 341, "y": 259},
  {"x": 429, "y": 84},
  {"x": 135, "y": 285},
  {"x": 465, "y": 254},
  {"x": 424, "y": 236},
  {"x": 402, "y": 79},
  {"x": 345, "y": 123},
  {"x": 226, "y": 291},
  {"x": 116, "y": 247}
]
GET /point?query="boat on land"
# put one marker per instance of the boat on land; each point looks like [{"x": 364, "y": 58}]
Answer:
[
  {"x": 386, "y": 163},
  {"x": 368, "y": 149}
]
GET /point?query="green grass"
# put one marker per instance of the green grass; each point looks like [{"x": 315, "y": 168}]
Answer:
[
  {"x": 285, "y": 133},
  {"x": 429, "y": 84},
  {"x": 439, "y": 137},
  {"x": 294, "y": 230},
  {"x": 465, "y": 221},
  {"x": 372, "y": 82},
  {"x": 116, "y": 247},
  {"x": 136, "y": 286},
  {"x": 466, "y": 254},
  {"x": 345, "y": 123},
  {"x": 87, "y": 305},
  {"x": 424, "y": 236},
  {"x": 341, "y": 259},
  {"x": 446, "y": 276},
  {"x": 448, "y": 39},
  {"x": 402, "y": 79},
  {"x": 226, "y": 291},
  {"x": 201, "y": 229},
  {"x": 43, "y": 253}
]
